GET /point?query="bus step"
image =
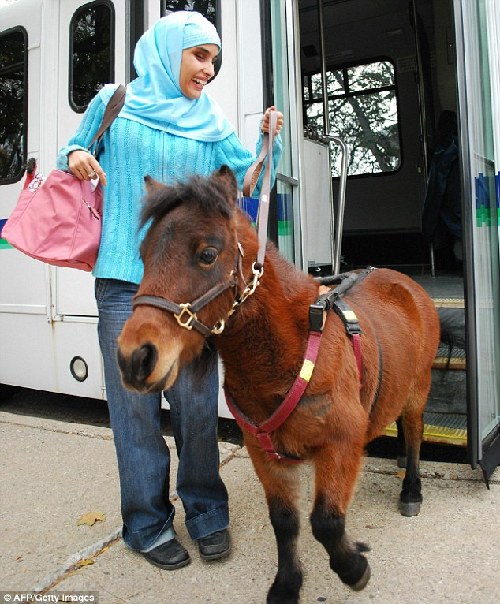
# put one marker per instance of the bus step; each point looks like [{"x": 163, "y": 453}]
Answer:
[{"x": 445, "y": 428}]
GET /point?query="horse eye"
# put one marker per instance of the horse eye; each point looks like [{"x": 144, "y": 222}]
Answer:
[{"x": 209, "y": 255}]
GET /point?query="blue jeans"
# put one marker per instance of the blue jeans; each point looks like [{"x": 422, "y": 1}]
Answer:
[{"x": 143, "y": 456}]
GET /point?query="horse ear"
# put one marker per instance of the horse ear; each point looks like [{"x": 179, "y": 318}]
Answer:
[
  {"x": 152, "y": 185},
  {"x": 226, "y": 177}
]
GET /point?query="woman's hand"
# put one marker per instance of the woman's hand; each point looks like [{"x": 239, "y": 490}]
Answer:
[
  {"x": 265, "y": 121},
  {"x": 85, "y": 166}
]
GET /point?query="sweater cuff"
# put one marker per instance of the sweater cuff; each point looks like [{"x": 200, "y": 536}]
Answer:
[{"x": 62, "y": 158}]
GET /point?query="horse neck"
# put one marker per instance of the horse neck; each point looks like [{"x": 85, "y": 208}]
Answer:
[{"x": 264, "y": 342}]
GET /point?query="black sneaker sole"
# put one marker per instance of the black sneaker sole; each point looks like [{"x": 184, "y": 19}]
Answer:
[
  {"x": 166, "y": 566},
  {"x": 217, "y": 556}
]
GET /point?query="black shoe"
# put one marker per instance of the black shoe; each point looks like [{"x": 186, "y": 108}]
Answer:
[
  {"x": 215, "y": 546},
  {"x": 169, "y": 555}
]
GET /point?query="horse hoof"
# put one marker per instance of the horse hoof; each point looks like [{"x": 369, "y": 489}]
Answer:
[
  {"x": 410, "y": 508},
  {"x": 361, "y": 584}
]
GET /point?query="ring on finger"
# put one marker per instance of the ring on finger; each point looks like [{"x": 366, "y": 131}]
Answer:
[{"x": 92, "y": 174}]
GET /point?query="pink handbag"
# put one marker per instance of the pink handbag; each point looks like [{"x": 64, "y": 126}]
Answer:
[{"x": 58, "y": 219}]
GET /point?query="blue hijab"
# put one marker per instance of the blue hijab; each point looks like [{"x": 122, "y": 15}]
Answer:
[{"x": 155, "y": 98}]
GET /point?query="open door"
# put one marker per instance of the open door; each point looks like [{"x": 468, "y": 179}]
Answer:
[{"x": 477, "y": 26}]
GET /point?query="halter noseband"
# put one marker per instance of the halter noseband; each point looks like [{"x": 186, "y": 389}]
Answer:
[{"x": 185, "y": 313}]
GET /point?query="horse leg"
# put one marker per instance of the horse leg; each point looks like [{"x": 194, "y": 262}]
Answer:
[
  {"x": 400, "y": 444},
  {"x": 280, "y": 482},
  {"x": 412, "y": 422},
  {"x": 335, "y": 480}
]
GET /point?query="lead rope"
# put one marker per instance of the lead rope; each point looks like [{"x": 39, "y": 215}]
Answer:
[{"x": 250, "y": 182}]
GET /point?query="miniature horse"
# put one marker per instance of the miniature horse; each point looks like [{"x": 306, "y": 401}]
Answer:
[{"x": 200, "y": 251}]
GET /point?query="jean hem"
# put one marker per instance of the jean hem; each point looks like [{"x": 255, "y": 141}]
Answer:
[
  {"x": 144, "y": 539},
  {"x": 208, "y": 523}
]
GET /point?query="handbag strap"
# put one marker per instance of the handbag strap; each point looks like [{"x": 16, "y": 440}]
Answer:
[{"x": 113, "y": 108}]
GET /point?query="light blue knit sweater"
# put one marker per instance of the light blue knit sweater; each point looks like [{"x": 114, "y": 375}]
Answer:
[{"x": 129, "y": 152}]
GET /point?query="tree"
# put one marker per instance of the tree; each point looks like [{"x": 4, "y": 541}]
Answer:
[{"x": 363, "y": 112}]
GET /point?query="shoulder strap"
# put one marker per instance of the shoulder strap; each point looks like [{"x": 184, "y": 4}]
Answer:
[{"x": 112, "y": 110}]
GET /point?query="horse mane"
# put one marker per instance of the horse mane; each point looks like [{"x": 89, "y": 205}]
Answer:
[{"x": 209, "y": 194}]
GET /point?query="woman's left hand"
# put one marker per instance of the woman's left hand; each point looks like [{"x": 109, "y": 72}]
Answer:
[{"x": 265, "y": 121}]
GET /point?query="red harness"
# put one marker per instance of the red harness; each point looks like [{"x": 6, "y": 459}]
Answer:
[{"x": 264, "y": 430}]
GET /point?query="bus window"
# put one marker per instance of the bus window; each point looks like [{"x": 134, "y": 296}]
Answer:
[
  {"x": 208, "y": 8},
  {"x": 363, "y": 112},
  {"x": 13, "y": 104},
  {"x": 91, "y": 52}
]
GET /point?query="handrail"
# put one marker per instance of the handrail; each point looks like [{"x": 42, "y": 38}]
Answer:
[
  {"x": 336, "y": 232},
  {"x": 336, "y": 244}
]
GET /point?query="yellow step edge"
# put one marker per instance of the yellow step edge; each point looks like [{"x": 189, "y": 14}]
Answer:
[
  {"x": 436, "y": 434},
  {"x": 456, "y": 364},
  {"x": 448, "y": 303}
]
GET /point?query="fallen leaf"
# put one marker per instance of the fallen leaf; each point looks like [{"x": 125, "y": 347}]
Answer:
[
  {"x": 90, "y": 518},
  {"x": 84, "y": 562}
]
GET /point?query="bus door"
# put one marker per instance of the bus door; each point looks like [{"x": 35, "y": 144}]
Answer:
[
  {"x": 374, "y": 104},
  {"x": 477, "y": 25},
  {"x": 92, "y": 51},
  {"x": 24, "y": 295}
]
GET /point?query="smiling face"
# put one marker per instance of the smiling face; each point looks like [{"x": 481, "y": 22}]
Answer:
[{"x": 197, "y": 69}]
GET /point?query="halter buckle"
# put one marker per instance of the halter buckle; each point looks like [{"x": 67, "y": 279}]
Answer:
[
  {"x": 185, "y": 310},
  {"x": 218, "y": 328}
]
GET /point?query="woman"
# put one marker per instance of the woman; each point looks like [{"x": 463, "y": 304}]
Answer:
[{"x": 170, "y": 129}]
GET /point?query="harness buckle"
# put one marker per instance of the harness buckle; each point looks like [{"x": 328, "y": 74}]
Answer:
[
  {"x": 316, "y": 317},
  {"x": 191, "y": 316}
]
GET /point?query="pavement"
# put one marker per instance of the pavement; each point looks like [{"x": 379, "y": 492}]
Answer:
[{"x": 60, "y": 529}]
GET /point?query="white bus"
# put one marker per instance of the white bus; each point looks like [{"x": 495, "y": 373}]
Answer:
[{"x": 393, "y": 99}]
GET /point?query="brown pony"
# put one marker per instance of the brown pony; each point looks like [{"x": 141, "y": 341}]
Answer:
[{"x": 200, "y": 252}]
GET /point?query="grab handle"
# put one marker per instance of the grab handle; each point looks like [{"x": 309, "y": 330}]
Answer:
[{"x": 336, "y": 241}]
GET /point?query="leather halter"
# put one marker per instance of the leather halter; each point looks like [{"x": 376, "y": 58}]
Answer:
[{"x": 185, "y": 313}]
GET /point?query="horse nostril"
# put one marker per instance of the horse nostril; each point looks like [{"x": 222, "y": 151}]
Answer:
[
  {"x": 140, "y": 365},
  {"x": 143, "y": 361}
]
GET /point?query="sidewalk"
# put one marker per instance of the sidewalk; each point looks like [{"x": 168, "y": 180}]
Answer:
[{"x": 54, "y": 472}]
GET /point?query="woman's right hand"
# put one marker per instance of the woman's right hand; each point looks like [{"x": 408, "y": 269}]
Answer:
[{"x": 85, "y": 166}]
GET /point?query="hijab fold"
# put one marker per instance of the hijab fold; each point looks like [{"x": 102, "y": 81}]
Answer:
[{"x": 155, "y": 98}]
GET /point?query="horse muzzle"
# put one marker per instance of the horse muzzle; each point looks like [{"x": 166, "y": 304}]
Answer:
[
  {"x": 141, "y": 370},
  {"x": 138, "y": 366}
]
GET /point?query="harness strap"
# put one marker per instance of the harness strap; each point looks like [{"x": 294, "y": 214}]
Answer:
[
  {"x": 353, "y": 329},
  {"x": 263, "y": 431},
  {"x": 333, "y": 300},
  {"x": 380, "y": 376}
]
